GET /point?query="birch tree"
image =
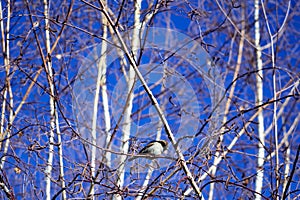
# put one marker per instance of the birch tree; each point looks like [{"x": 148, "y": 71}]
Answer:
[
  {"x": 259, "y": 100},
  {"x": 85, "y": 85}
]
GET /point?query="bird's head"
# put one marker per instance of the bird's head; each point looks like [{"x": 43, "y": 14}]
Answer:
[{"x": 164, "y": 144}]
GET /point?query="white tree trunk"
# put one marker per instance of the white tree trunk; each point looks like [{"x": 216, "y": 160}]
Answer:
[
  {"x": 54, "y": 122},
  {"x": 259, "y": 100},
  {"x": 101, "y": 83},
  {"x": 126, "y": 128},
  {"x": 275, "y": 102},
  {"x": 5, "y": 48},
  {"x": 104, "y": 87},
  {"x": 94, "y": 128}
]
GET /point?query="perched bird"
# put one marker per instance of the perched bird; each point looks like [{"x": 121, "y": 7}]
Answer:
[{"x": 153, "y": 148}]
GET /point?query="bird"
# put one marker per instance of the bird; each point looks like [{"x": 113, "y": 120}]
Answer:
[{"x": 153, "y": 148}]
